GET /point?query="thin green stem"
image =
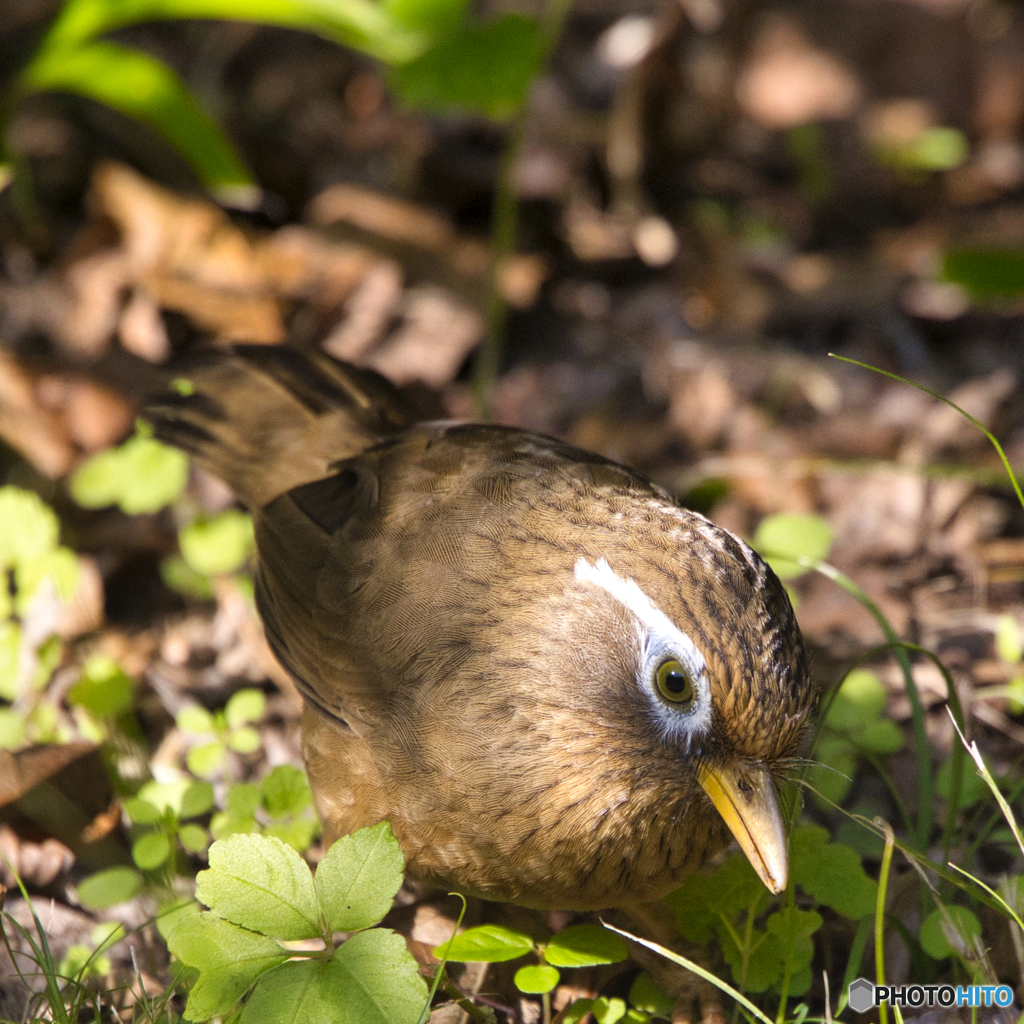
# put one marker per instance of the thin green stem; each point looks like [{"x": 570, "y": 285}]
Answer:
[
  {"x": 505, "y": 224},
  {"x": 883, "y": 887}
]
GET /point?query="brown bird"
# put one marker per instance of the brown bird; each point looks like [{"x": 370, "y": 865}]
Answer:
[{"x": 561, "y": 688}]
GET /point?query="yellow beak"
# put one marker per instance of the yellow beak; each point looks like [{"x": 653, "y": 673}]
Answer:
[{"x": 744, "y": 795}]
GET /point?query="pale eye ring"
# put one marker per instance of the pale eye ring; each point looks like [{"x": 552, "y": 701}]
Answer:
[{"x": 673, "y": 683}]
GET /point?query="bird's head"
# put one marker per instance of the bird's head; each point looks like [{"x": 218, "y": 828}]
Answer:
[{"x": 721, "y": 685}]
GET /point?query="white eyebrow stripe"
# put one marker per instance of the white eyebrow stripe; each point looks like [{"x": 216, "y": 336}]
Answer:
[{"x": 627, "y": 593}]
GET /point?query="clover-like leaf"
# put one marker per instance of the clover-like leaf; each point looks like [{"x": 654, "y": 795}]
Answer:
[
  {"x": 832, "y": 873},
  {"x": 536, "y": 979},
  {"x": 357, "y": 880},
  {"x": 218, "y": 545},
  {"x": 110, "y": 887},
  {"x": 943, "y": 934},
  {"x": 229, "y": 959},
  {"x": 262, "y": 884},
  {"x": 782, "y": 538}
]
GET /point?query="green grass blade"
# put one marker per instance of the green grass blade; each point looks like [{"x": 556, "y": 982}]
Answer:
[
  {"x": 883, "y": 888},
  {"x": 361, "y": 24},
  {"x": 698, "y": 970},
  {"x": 146, "y": 89},
  {"x": 966, "y": 415}
]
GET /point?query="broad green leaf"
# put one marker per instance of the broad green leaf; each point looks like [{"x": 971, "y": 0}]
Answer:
[
  {"x": 219, "y": 545},
  {"x": 142, "y": 475},
  {"x": 146, "y": 89},
  {"x": 229, "y": 959},
  {"x": 29, "y": 529},
  {"x": 151, "y": 850},
  {"x": 941, "y": 938},
  {"x": 193, "y": 838},
  {"x": 361, "y": 24},
  {"x": 481, "y": 68},
  {"x": 782, "y": 537},
  {"x": 488, "y": 943},
  {"x": 167, "y": 796},
  {"x": 172, "y": 914},
  {"x": 262, "y": 884},
  {"x": 762, "y": 965},
  {"x": 194, "y": 720},
  {"x": 859, "y": 701},
  {"x": 972, "y": 786},
  {"x": 794, "y": 928},
  {"x": 432, "y": 17},
  {"x": 833, "y": 778},
  {"x": 104, "y": 689},
  {"x": 107, "y": 888},
  {"x": 357, "y": 880},
  {"x": 178, "y": 575},
  {"x": 577, "y": 1011},
  {"x": 536, "y": 979},
  {"x": 245, "y": 707},
  {"x": 371, "y": 979},
  {"x": 244, "y": 740},
  {"x": 196, "y": 800},
  {"x": 244, "y": 797},
  {"x": 832, "y": 873},
  {"x": 701, "y": 899},
  {"x": 285, "y": 790},
  {"x": 987, "y": 274},
  {"x": 207, "y": 759},
  {"x": 882, "y": 736},
  {"x": 584, "y": 945},
  {"x": 142, "y": 812}
]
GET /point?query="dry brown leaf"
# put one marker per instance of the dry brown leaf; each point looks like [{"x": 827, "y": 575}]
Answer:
[
  {"x": 21, "y": 771},
  {"x": 38, "y": 433}
]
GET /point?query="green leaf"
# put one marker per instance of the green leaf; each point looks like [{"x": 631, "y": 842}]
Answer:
[
  {"x": 649, "y": 997},
  {"x": 833, "y": 778},
  {"x": 297, "y": 834},
  {"x": 229, "y": 959},
  {"x": 104, "y": 690},
  {"x": 285, "y": 790},
  {"x": 941, "y": 938},
  {"x": 193, "y": 838},
  {"x": 243, "y": 797},
  {"x": 108, "y": 888},
  {"x": 167, "y": 796},
  {"x": 142, "y": 475},
  {"x": 972, "y": 786},
  {"x": 608, "y": 1010},
  {"x": 831, "y": 873},
  {"x": 1009, "y": 643},
  {"x": 195, "y": 720},
  {"x": 151, "y": 850},
  {"x": 789, "y": 534},
  {"x": 206, "y": 759},
  {"x": 536, "y": 979},
  {"x": 262, "y": 884},
  {"x": 361, "y": 24},
  {"x": 60, "y": 566},
  {"x": 28, "y": 528},
  {"x": 357, "y": 880},
  {"x": 577, "y": 1011},
  {"x": 217, "y": 546},
  {"x": 480, "y": 68},
  {"x": 244, "y": 707},
  {"x": 196, "y": 800},
  {"x": 142, "y": 812},
  {"x": 10, "y": 658},
  {"x": 244, "y": 740},
  {"x": 987, "y": 274},
  {"x": 371, "y": 979},
  {"x": 584, "y": 945},
  {"x": 12, "y": 729},
  {"x": 793, "y": 928},
  {"x": 179, "y": 576},
  {"x": 858, "y": 703},
  {"x": 146, "y": 89},
  {"x": 488, "y": 943},
  {"x": 701, "y": 899},
  {"x": 762, "y": 964}
]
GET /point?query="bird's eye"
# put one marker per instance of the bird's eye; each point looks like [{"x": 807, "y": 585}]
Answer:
[{"x": 674, "y": 683}]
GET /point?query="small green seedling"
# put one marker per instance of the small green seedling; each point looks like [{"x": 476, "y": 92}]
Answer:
[
  {"x": 576, "y": 946},
  {"x": 281, "y": 805},
  {"x": 161, "y": 816},
  {"x": 261, "y": 894},
  {"x": 222, "y": 731},
  {"x": 141, "y": 475},
  {"x": 35, "y": 569}
]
